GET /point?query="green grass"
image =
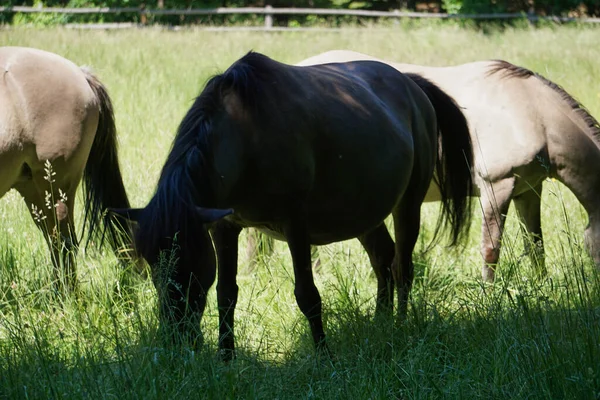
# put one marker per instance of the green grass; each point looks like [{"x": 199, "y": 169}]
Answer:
[{"x": 520, "y": 338}]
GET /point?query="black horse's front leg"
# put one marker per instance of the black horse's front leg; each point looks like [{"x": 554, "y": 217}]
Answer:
[
  {"x": 225, "y": 236},
  {"x": 307, "y": 295}
]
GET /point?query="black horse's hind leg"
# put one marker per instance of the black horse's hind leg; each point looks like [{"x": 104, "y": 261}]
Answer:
[
  {"x": 380, "y": 247},
  {"x": 225, "y": 236},
  {"x": 528, "y": 207},
  {"x": 307, "y": 295},
  {"x": 407, "y": 219}
]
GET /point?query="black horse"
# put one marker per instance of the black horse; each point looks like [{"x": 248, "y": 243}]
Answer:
[{"x": 309, "y": 155}]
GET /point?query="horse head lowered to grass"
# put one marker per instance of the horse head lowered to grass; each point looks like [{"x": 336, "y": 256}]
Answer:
[
  {"x": 524, "y": 129},
  {"x": 308, "y": 155},
  {"x": 56, "y": 129}
]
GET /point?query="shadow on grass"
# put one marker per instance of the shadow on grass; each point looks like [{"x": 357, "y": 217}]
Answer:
[{"x": 533, "y": 341}]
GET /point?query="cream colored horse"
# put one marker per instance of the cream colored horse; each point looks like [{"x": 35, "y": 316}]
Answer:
[
  {"x": 524, "y": 128},
  {"x": 57, "y": 129}
]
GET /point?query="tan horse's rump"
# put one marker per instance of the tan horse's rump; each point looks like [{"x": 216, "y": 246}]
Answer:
[
  {"x": 55, "y": 115},
  {"x": 524, "y": 128}
]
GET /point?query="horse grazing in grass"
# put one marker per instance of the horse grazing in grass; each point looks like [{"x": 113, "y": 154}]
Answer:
[
  {"x": 524, "y": 129},
  {"x": 57, "y": 128},
  {"x": 310, "y": 156}
]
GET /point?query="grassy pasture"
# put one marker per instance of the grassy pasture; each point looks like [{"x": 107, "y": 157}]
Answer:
[{"x": 520, "y": 338}]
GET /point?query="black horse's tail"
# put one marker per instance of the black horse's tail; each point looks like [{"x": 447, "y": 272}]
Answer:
[
  {"x": 102, "y": 181},
  {"x": 454, "y": 162}
]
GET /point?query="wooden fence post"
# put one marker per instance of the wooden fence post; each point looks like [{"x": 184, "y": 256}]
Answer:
[
  {"x": 143, "y": 16},
  {"x": 268, "y": 17}
]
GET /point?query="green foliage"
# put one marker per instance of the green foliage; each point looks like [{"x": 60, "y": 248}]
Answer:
[
  {"x": 452, "y": 6},
  {"x": 40, "y": 19}
]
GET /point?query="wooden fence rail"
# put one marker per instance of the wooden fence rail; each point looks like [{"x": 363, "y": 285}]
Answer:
[{"x": 269, "y": 11}]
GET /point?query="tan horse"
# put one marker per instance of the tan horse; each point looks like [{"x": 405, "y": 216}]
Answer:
[
  {"x": 524, "y": 128},
  {"x": 57, "y": 128}
]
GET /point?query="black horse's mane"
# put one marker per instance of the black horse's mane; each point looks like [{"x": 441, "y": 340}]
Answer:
[
  {"x": 513, "y": 71},
  {"x": 184, "y": 178}
]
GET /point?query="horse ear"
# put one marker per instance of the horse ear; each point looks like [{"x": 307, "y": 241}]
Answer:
[
  {"x": 131, "y": 214},
  {"x": 208, "y": 215}
]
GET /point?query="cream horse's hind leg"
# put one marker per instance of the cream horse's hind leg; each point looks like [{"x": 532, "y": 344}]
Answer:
[
  {"x": 258, "y": 246},
  {"x": 495, "y": 200},
  {"x": 52, "y": 211},
  {"x": 528, "y": 207}
]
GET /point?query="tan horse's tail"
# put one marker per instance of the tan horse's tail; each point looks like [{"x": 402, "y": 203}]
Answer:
[
  {"x": 455, "y": 159},
  {"x": 102, "y": 180}
]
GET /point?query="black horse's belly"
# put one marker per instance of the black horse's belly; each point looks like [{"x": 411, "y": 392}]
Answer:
[
  {"x": 336, "y": 209},
  {"x": 331, "y": 226},
  {"x": 346, "y": 194},
  {"x": 332, "y": 233},
  {"x": 353, "y": 197},
  {"x": 347, "y": 222}
]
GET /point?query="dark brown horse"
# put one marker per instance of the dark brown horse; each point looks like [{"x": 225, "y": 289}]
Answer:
[
  {"x": 308, "y": 155},
  {"x": 57, "y": 128}
]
